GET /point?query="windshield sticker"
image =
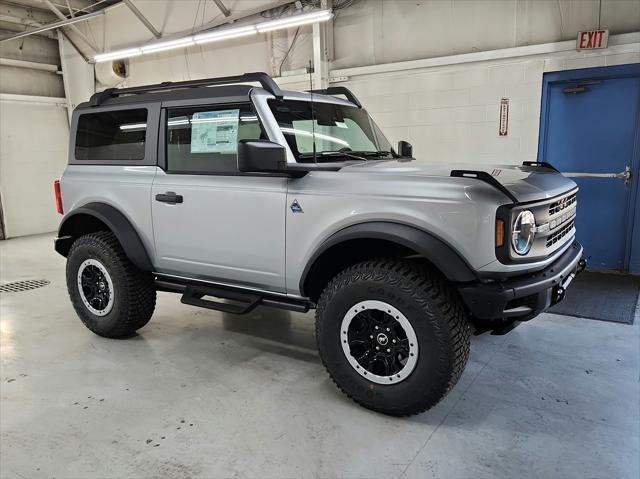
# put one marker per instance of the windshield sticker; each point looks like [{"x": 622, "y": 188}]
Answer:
[{"x": 215, "y": 131}]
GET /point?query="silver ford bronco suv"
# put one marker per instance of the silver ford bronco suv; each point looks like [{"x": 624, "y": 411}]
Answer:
[{"x": 237, "y": 196}]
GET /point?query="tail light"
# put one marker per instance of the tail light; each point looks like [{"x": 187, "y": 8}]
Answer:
[{"x": 58, "y": 193}]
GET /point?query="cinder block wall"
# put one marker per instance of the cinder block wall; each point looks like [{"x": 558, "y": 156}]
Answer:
[{"x": 451, "y": 113}]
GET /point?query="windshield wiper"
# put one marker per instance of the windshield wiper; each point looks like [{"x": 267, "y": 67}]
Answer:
[
  {"x": 332, "y": 154},
  {"x": 371, "y": 153}
]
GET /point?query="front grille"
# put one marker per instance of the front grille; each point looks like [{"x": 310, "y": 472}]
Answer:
[
  {"x": 561, "y": 233},
  {"x": 562, "y": 204}
]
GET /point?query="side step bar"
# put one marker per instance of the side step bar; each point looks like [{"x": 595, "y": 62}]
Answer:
[
  {"x": 244, "y": 301},
  {"x": 194, "y": 293}
]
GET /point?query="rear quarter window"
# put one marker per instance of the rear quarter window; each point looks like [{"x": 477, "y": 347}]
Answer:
[{"x": 116, "y": 136}]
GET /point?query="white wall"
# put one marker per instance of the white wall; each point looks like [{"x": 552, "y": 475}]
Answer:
[
  {"x": 33, "y": 137},
  {"x": 450, "y": 112},
  {"x": 33, "y": 153},
  {"x": 368, "y": 33}
]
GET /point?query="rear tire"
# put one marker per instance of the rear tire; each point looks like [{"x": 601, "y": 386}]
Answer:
[
  {"x": 402, "y": 300},
  {"x": 111, "y": 296}
]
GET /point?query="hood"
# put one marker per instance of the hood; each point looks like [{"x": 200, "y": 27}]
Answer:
[{"x": 525, "y": 183}]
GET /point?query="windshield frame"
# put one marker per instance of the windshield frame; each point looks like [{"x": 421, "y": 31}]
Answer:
[{"x": 376, "y": 137}]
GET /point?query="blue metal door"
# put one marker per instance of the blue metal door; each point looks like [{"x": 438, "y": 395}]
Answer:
[{"x": 589, "y": 127}]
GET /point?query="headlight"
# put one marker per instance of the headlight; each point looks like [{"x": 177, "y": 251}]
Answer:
[{"x": 523, "y": 233}]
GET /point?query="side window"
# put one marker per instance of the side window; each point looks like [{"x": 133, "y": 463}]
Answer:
[
  {"x": 205, "y": 139},
  {"x": 111, "y": 135}
]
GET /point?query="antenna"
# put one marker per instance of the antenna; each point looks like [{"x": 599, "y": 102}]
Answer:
[{"x": 313, "y": 116}]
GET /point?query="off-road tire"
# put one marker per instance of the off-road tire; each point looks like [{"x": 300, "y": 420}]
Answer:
[
  {"x": 134, "y": 290},
  {"x": 435, "y": 312}
]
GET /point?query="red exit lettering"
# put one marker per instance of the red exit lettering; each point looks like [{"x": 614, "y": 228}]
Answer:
[{"x": 592, "y": 39}]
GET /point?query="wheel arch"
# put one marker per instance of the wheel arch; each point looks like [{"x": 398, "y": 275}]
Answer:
[
  {"x": 94, "y": 217},
  {"x": 379, "y": 238}
]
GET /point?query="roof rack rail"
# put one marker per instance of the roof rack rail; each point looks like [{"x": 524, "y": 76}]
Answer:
[
  {"x": 487, "y": 178},
  {"x": 263, "y": 78},
  {"x": 339, "y": 90}
]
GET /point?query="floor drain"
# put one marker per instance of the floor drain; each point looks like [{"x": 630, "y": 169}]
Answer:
[{"x": 25, "y": 285}]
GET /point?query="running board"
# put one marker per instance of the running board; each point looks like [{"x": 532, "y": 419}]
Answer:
[{"x": 244, "y": 301}]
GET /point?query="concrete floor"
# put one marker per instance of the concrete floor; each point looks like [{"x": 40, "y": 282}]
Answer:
[{"x": 199, "y": 393}]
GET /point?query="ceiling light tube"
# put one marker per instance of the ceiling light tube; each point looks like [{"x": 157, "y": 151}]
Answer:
[
  {"x": 294, "y": 21},
  {"x": 170, "y": 45},
  {"x": 216, "y": 35},
  {"x": 117, "y": 54},
  {"x": 225, "y": 34}
]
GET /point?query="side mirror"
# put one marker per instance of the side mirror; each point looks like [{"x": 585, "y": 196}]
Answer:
[
  {"x": 261, "y": 156},
  {"x": 405, "y": 149}
]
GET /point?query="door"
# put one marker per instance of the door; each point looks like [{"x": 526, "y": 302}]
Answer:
[
  {"x": 588, "y": 131},
  {"x": 210, "y": 221}
]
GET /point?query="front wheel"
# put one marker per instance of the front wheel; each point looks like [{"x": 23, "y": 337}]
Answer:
[
  {"x": 111, "y": 296},
  {"x": 393, "y": 335}
]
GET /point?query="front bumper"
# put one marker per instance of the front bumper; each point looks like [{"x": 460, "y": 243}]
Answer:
[{"x": 524, "y": 297}]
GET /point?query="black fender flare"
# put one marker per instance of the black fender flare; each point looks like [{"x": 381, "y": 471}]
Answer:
[
  {"x": 440, "y": 254},
  {"x": 72, "y": 227}
]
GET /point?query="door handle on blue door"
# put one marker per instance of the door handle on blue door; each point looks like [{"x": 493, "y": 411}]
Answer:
[{"x": 169, "y": 197}]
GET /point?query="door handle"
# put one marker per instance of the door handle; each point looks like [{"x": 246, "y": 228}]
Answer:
[
  {"x": 169, "y": 197},
  {"x": 623, "y": 175}
]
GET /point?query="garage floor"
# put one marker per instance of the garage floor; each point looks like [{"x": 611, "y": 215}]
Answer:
[{"x": 199, "y": 393}]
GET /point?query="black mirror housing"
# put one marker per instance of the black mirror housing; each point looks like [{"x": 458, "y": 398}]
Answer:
[
  {"x": 261, "y": 156},
  {"x": 405, "y": 149}
]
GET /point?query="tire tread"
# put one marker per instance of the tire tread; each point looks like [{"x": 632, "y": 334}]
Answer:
[{"x": 424, "y": 286}]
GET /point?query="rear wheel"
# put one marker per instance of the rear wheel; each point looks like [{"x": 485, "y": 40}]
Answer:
[
  {"x": 111, "y": 296},
  {"x": 392, "y": 335}
]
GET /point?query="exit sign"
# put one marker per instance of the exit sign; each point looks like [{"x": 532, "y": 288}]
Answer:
[{"x": 592, "y": 39}]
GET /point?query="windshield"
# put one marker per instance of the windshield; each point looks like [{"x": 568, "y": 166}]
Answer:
[{"x": 337, "y": 129}]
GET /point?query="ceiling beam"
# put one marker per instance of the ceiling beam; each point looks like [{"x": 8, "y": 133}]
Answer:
[
  {"x": 8, "y": 29},
  {"x": 71, "y": 22},
  {"x": 51, "y": 26},
  {"x": 10, "y": 62},
  {"x": 142, "y": 18},
  {"x": 76, "y": 5},
  {"x": 26, "y": 15},
  {"x": 221, "y": 6}
]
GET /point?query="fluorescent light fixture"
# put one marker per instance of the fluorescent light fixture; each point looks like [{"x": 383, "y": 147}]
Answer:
[
  {"x": 170, "y": 45},
  {"x": 217, "y": 35},
  {"x": 225, "y": 34},
  {"x": 332, "y": 139},
  {"x": 294, "y": 21},
  {"x": 117, "y": 54}
]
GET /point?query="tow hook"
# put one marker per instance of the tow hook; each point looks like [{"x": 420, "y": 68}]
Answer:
[
  {"x": 582, "y": 264},
  {"x": 558, "y": 294}
]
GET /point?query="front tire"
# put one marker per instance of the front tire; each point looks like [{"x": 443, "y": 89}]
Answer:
[
  {"x": 111, "y": 296},
  {"x": 393, "y": 335}
]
